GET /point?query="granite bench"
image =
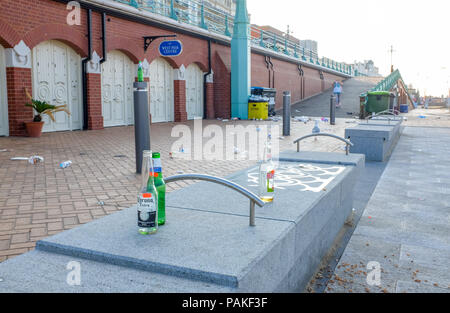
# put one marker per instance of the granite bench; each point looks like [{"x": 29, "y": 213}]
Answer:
[{"x": 207, "y": 244}]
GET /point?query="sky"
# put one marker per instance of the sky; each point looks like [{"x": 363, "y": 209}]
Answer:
[{"x": 358, "y": 30}]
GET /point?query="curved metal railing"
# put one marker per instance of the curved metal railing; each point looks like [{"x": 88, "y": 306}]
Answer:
[
  {"x": 391, "y": 112},
  {"x": 254, "y": 199},
  {"x": 347, "y": 142}
]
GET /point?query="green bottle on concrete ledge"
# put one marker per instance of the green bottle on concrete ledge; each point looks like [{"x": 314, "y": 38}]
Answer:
[{"x": 160, "y": 188}]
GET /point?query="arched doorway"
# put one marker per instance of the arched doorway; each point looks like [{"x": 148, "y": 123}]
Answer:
[
  {"x": 4, "y": 129},
  {"x": 161, "y": 91},
  {"x": 194, "y": 92},
  {"x": 117, "y": 90},
  {"x": 57, "y": 80}
]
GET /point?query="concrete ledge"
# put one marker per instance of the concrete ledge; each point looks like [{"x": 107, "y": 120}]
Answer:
[
  {"x": 357, "y": 160},
  {"x": 374, "y": 139},
  {"x": 207, "y": 241}
]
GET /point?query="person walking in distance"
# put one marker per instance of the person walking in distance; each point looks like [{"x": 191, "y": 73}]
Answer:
[{"x": 337, "y": 90}]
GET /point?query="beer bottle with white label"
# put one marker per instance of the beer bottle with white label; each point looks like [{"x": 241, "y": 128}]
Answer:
[
  {"x": 267, "y": 174},
  {"x": 147, "y": 207}
]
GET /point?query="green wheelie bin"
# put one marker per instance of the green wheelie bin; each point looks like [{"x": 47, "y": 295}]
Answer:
[{"x": 378, "y": 101}]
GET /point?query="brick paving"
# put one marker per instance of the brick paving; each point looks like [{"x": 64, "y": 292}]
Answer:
[{"x": 40, "y": 200}]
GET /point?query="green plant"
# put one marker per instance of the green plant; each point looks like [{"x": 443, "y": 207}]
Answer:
[{"x": 42, "y": 107}]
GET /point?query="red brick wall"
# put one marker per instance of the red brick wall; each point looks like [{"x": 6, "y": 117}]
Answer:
[
  {"x": 179, "y": 88},
  {"x": 286, "y": 77},
  {"x": 222, "y": 81},
  {"x": 210, "y": 110},
  {"x": 94, "y": 100},
  {"x": 17, "y": 79},
  {"x": 35, "y": 21}
]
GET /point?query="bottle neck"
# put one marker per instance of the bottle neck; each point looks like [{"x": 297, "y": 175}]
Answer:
[{"x": 267, "y": 153}]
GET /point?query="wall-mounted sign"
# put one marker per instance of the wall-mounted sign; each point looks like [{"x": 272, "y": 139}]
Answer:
[{"x": 170, "y": 48}]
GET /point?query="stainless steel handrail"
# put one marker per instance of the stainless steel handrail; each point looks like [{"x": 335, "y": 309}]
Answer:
[
  {"x": 348, "y": 143},
  {"x": 254, "y": 199},
  {"x": 386, "y": 112}
]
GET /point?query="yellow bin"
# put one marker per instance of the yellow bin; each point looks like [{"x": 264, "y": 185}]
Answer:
[{"x": 258, "y": 110}]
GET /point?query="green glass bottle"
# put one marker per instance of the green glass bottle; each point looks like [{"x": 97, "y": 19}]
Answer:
[
  {"x": 140, "y": 73},
  {"x": 160, "y": 188},
  {"x": 147, "y": 206}
]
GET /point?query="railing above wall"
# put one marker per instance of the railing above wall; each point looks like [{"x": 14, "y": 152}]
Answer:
[
  {"x": 202, "y": 14},
  {"x": 389, "y": 82}
]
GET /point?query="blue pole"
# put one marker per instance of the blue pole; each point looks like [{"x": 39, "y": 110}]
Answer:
[
  {"x": 173, "y": 15},
  {"x": 240, "y": 62},
  {"x": 275, "y": 43},
  {"x": 286, "y": 47},
  {"x": 202, "y": 22},
  {"x": 227, "y": 30}
]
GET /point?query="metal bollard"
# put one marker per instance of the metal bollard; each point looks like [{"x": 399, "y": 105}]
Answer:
[
  {"x": 141, "y": 122},
  {"x": 286, "y": 113},
  {"x": 332, "y": 110}
]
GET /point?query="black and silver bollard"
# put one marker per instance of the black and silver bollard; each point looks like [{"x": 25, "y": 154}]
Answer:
[
  {"x": 286, "y": 113},
  {"x": 141, "y": 122},
  {"x": 332, "y": 110}
]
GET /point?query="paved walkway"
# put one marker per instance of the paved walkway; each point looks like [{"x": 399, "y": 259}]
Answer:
[
  {"x": 433, "y": 117},
  {"x": 40, "y": 200},
  {"x": 406, "y": 225},
  {"x": 319, "y": 106}
]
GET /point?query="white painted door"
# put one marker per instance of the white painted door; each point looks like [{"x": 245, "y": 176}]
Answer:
[
  {"x": 3, "y": 97},
  {"x": 117, "y": 90},
  {"x": 57, "y": 80},
  {"x": 161, "y": 91},
  {"x": 194, "y": 92}
]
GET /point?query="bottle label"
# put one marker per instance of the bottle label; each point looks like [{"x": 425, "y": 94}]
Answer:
[
  {"x": 271, "y": 181},
  {"x": 157, "y": 166},
  {"x": 146, "y": 210}
]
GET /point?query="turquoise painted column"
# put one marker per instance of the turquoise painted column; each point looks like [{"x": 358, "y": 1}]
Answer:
[
  {"x": 303, "y": 54},
  {"x": 240, "y": 62},
  {"x": 296, "y": 52},
  {"x": 261, "y": 40},
  {"x": 227, "y": 30},
  {"x": 286, "y": 47},
  {"x": 134, "y": 4},
  {"x": 275, "y": 43},
  {"x": 173, "y": 15},
  {"x": 202, "y": 17}
]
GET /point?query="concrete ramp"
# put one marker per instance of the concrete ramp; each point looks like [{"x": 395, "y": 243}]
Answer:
[{"x": 319, "y": 106}]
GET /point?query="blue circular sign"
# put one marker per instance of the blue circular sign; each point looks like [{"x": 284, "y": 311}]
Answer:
[{"x": 170, "y": 48}]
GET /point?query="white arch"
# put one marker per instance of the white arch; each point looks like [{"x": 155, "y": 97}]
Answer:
[
  {"x": 194, "y": 92},
  {"x": 57, "y": 80},
  {"x": 118, "y": 75},
  {"x": 161, "y": 91}
]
